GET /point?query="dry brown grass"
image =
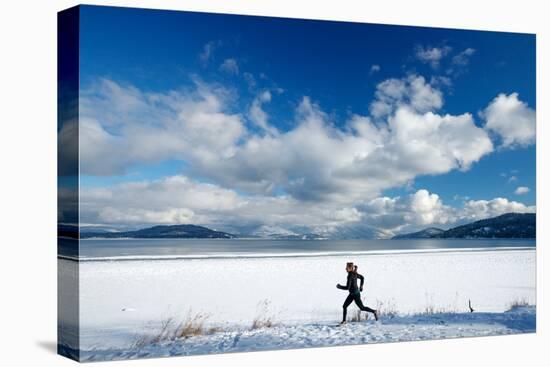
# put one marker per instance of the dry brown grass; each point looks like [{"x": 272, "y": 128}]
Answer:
[
  {"x": 192, "y": 325},
  {"x": 265, "y": 318},
  {"x": 518, "y": 302},
  {"x": 170, "y": 329},
  {"x": 165, "y": 332}
]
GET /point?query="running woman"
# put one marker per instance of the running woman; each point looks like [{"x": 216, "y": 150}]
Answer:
[{"x": 354, "y": 292}]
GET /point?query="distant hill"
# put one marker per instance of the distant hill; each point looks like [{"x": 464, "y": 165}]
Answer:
[
  {"x": 425, "y": 233},
  {"x": 511, "y": 225},
  {"x": 173, "y": 231},
  {"x": 67, "y": 230}
]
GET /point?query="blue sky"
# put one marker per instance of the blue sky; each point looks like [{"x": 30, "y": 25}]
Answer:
[{"x": 260, "y": 75}]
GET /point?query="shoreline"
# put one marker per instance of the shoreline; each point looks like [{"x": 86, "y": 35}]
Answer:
[{"x": 220, "y": 256}]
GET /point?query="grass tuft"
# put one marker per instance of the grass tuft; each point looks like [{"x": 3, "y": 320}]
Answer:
[
  {"x": 170, "y": 329},
  {"x": 265, "y": 318},
  {"x": 517, "y": 303},
  {"x": 388, "y": 308}
]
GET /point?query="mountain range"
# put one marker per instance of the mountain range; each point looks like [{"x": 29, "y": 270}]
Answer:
[
  {"x": 510, "y": 225},
  {"x": 166, "y": 231},
  {"x": 431, "y": 232}
]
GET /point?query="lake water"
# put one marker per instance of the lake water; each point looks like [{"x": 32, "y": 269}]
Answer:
[{"x": 120, "y": 249}]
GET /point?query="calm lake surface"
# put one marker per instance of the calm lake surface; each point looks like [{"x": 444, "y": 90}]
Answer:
[{"x": 190, "y": 248}]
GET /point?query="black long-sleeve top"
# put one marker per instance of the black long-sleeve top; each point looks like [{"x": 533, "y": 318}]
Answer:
[{"x": 351, "y": 284}]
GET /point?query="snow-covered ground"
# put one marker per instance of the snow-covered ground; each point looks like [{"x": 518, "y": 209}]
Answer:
[
  {"x": 407, "y": 328},
  {"x": 120, "y": 301}
]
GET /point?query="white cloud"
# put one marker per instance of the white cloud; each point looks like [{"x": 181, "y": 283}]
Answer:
[
  {"x": 207, "y": 51},
  {"x": 521, "y": 190},
  {"x": 457, "y": 65},
  {"x": 423, "y": 97},
  {"x": 313, "y": 177},
  {"x": 423, "y": 209},
  {"x": 463, "y": 58},
  {"x": 259, "y": 116},
  {"x": 344, "y": 215},
  {"x": 118, "y": 122},
  {"x": 230, "y": 66},
  {"x": 374, "y": 69},
  {"x": 179, "y": 199},
  {"x": 174, "y": 199},
  {"x": 427, "y": 208},
  {"x": 432, "y": 55},
  {"x": 142, "y": 216},
  {"x": 314, "y": 161},
  {"x": 481, "y": 209},
  {"x": 511, "y": 119},
  {"x": 412, "y": 91},
  {"x": 417, "y": 210},
  {"x": 459, "y": 62},
  {"x": 512, "y": 179}
]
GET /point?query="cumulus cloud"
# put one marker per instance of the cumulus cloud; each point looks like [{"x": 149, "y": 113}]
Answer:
[
  {"x": 179, "y": 199},
  {"x": 118, "y": 122},
  {"x": 416, "y": 210},
  {"x": 432, "y": 55},
  {"x": 422, "y": 209},
  {"x": 230, "y": 66},
  {"x": 259, "y": 116},
  {"x": 412, "y": 91},
  {"x": 172, "y": 200},
  {"x": 315, "y": 177},
  {"x": 427, "y": 208},
  {"x": 314, "y": 161},
  {"x": 521, "y": 190},
  {"x": 318, "y": 175},
  {"x": 511, "y": 119},
  {"x": 481, "y": 209}
]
